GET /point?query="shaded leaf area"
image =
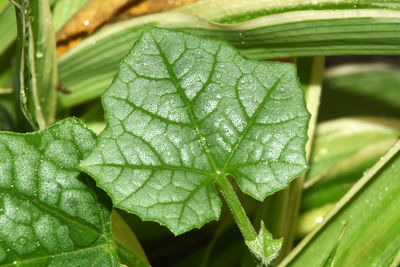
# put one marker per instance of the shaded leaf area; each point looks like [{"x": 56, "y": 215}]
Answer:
[
  {"x": 8, "y": 116},
  {"x": 184, "y": 112},
  {"x": 50, "y": 214},
  {"x": 361, "y": 90}
]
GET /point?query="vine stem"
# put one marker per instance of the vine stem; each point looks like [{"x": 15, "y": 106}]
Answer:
[{"x": 236, "y": 208}]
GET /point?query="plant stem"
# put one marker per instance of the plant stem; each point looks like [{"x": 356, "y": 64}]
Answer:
[{"x": 236, "y": 208}]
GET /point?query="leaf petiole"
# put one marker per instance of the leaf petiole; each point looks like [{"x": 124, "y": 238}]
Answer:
[{"x": 241, "y": 219}]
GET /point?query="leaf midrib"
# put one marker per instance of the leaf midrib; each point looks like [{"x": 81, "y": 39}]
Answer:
[
  {"x": 188, "y": 105},
  {"x": 196, "y": 123}
]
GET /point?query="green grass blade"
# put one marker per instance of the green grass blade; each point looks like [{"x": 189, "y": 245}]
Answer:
[
  {"x": 371, "y": 212},
  {"x": 368, "y": 89},
  {"x": 87, "y": 69},
  {"x": 36, "y": 72},
  {"x": 8, "y": 27},
  {"x": 234, "y": 11}
]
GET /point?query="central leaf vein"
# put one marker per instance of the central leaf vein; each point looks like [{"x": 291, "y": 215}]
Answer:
[{"x": 188, "y": 105}]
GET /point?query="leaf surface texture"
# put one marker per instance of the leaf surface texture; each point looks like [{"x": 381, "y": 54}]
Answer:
[
  {"x": 184, "y": 111},
  {"x": 50, "y": 214}
]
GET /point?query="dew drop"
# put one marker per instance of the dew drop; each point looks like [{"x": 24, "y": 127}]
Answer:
[
  {"x": 15, "y": 262},
  {"x": 218, "y": 172},
  {"x": 86, "y": 22},
  {"x": 22, "y": 240},
  {"x": 319, "y": 219},
  {"x": 39, "y": 54}
]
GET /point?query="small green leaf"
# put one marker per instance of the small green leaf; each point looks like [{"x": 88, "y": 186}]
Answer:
[
  {"x": 184, "y": 112},
  {"x": 49, "y": 212},
  {"x": 265, "y": 248}
]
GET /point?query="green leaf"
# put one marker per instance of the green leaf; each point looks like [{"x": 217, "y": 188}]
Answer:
[
  {"x": 8, "y": 26},
  {"x": 295, "y": 28},
  {"x": 265, "y": 247},
  {"x": 36, "y": 71},
  {"x": 370, "y": 211},
  {"x": 183, "y": 113},
  {"x": 50, "y": 213}
]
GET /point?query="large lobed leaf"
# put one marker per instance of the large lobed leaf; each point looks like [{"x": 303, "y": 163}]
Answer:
[
  {"x": 50, "y": 214},
  {"x": 183, "y": 112}
]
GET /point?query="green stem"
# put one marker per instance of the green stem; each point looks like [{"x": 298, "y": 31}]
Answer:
[{"x": 236, "y": 208}]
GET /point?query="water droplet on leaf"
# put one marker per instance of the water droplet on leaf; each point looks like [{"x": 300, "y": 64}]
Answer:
[
  {"x": 39, "y": 54},
  {"x": 22, "y": 240}
]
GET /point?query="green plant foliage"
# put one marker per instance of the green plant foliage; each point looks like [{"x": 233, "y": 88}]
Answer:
[
  {"x": 370, "y": 212},
  {"x": 297, "y": 28},
  {"x": 363, "y": 89},
  {"x": 36, "y": 70},
  {"x": 50, "y": 213},
  {"x": 8, "y": 26},
  {"x": 184, "y": 112}
]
